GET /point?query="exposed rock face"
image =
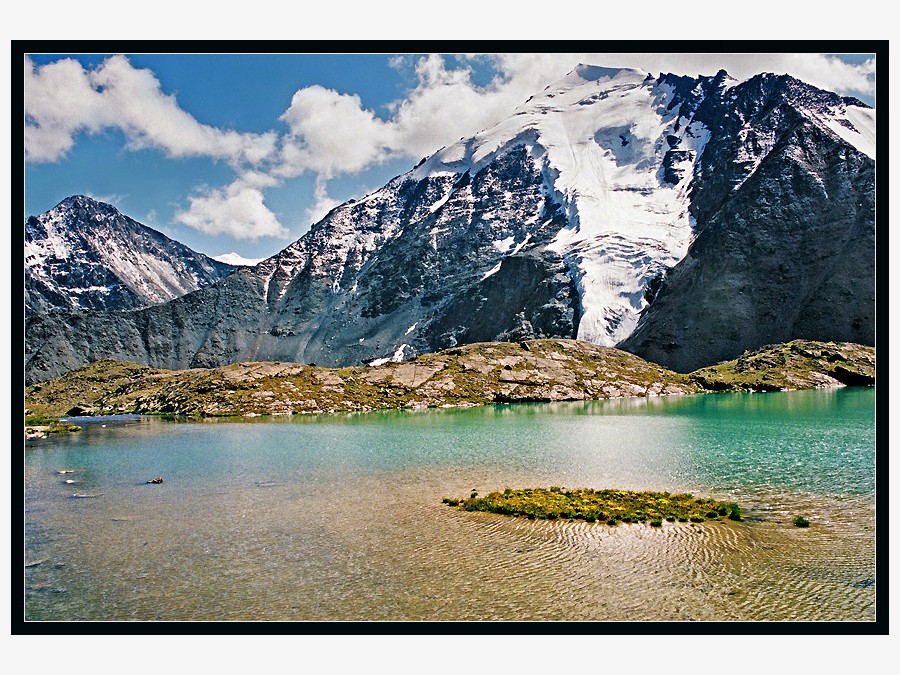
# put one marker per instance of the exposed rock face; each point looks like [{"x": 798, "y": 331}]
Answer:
[
  {"x": 537, "y": 370},
  {"x": 529, "y": 297},
  {"x": 725, "y": 216},
  {"x": 785, "y": 233},
  {"x": 84, "y": 254},
  {"x": 389, "y": 275},
  {"x": 224, "y": 318}
]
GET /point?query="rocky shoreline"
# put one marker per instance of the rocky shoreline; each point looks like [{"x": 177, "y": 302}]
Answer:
[{"x": 477, "y": 374}]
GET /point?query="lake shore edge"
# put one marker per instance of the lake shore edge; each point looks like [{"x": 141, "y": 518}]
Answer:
[{"x": 539, "y": 371}]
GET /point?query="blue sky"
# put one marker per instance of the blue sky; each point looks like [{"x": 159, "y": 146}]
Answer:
[{"x": 243, "y": 152}]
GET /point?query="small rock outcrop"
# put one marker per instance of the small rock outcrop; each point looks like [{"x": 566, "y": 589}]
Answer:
[{"x": 800, "y": 364}]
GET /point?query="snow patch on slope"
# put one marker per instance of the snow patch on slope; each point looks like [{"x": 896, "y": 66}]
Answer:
[
  {"x": 503, "y": 245},
  {"x": 396, "y": 357},
  {"x": 854, "y": 125},
  {"x": 600, "y": 136},
  {"x": 53, "y": 245}
]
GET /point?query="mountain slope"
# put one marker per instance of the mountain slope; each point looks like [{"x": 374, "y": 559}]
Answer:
[
  {"x": 785, "y": 242},
  {"x": 84, "y": 254},
  {"x": 568, "y": 219}
]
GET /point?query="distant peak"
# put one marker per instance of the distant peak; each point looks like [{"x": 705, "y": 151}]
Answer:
[
  {"x": 590, "y": 73},
  {"x": 78, "y": 199},
  {"x": 237, "y": 259},
  {"x": 83, "y": 201}
]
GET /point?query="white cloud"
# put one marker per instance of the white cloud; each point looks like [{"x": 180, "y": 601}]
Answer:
[
  {"x": 446, "y": 105},
  {"x": 59, "y": 99},
  {"x": 331, "y": 133},
  {"x": 323, "y": 204},
  {"x": 237, "y": 210},
  {"x": 62, "y": 99}
]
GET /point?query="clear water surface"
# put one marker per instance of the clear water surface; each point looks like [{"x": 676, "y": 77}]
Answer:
[{"x": 339, "y": 517}]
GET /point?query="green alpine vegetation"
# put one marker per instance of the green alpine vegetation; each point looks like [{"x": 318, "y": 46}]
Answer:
[
  {"x": 38, "y": 426},
  {"x": 609, "y": 506},
  {"x": 474, "y": 374},
  {"x": 800, "y": 364}
]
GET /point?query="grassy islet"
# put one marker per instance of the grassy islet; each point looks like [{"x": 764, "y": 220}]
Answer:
[{"x": 609, "y": 506}]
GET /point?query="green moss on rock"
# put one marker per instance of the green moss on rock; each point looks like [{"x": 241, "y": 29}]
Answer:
[{"x": 799, "y": 364}]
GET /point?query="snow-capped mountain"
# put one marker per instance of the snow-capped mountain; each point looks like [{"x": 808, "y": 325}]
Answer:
[
  {"x": 237, "y": 260},
  {"x": 84, "y": 254},
  {"x": 618, "y": 157},
  {"x": 590, "y": 212}
]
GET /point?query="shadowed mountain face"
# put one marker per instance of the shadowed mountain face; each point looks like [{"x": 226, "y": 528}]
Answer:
[
  {"x": 687, "y": 217},
  {"x": 84, "y": 254},
  {"x": 785, "y": 237}
]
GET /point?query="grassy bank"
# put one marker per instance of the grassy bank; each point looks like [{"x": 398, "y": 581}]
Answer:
[{"x": 38, "y": 426}]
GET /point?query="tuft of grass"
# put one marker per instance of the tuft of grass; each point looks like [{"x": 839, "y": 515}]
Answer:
[
  {"x": 63, "y": 428},
  {"x": 800, "y": 521},
  {"x": 730, "y": 510},
  {"x": 40, "y": 420}
]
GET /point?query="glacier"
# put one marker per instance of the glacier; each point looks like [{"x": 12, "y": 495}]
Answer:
[{"x": 600, "y": 136}]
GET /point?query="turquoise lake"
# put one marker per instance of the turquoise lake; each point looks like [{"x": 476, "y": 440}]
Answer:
[{"x": 339, "y": 517}]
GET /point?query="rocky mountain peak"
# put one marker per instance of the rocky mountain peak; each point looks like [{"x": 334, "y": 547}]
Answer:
[{"x": 85, "y": 254}]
